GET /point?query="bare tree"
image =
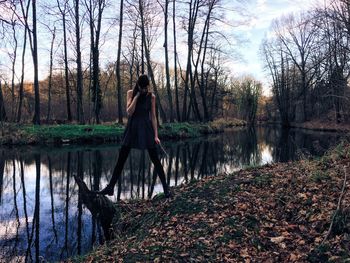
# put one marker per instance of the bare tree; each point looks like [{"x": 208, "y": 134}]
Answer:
[
  {"x": 277, "y": 65},
  {"x": 299, "y": 44},
  {"x": 48, "y": 117},
  {"x": 13, "y": 57},
  {"x": 25, "y": 12},
  {"x": 117, "y": 69},
  {"x": 192, "y": 18},
  {"x": 36, "y": 118},
  {"x": 175, "y": 65},
  {"x": 146, "y": 46},
  {"x": 80, "y": 112},
  {"x": 63, "y": 10},
  {"x": 95, "y": 10},
  {"x": 165, "y": 7}
]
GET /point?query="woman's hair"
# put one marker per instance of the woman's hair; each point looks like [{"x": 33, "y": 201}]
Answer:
[{"x": 142, "y": 82}]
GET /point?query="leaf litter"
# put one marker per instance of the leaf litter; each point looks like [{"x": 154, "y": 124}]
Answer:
[{"x": 276, "y": 213}]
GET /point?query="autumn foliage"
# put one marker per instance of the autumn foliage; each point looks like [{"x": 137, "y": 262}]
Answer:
[{"x": 276, "y": 213}]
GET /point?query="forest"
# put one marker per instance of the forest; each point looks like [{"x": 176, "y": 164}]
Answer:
[
  {"x": 306, "y": 58},
  {"x": 78, "y": 87},
  {"x": 250, "y": 168}
]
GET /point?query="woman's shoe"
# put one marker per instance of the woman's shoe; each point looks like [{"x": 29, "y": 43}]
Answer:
[{"x": 108, "y": 190}]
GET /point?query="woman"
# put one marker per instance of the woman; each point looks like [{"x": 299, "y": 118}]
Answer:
[{"x": 141, "y": 132}]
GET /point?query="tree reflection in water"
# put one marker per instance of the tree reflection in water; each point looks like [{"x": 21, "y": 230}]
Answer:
[{"x": 42, "y": 215}]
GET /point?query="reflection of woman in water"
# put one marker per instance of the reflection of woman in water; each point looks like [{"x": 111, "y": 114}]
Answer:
[{"x": 141, "y": 132}]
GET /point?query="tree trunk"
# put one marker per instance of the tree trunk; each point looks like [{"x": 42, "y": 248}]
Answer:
[
  {"x": 149, "y": 65},
  {"x": 3, "y": 116},
  {"x": 36, "y": 118},
  {"x": 50, "y": 77},
  {"x": 66, "y": 76},
  {"x": 95, "y": 31},
  {"x": 170, "y": 99},
  {"x": 14, "y": 58},
  {"x": 80, "y": 112},
  {"x": 201, "y": 84},
  {"x": 175, "y": 67},
  {"x": 193, "y": 11},
  {"x": 21, "y": 85},
  {"x": 119, "y": 85}
]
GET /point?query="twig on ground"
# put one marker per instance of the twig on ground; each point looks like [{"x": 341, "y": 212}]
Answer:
[{"x": 338, "y": 207}]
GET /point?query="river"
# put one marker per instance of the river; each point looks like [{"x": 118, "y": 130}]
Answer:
[{"x": 42, "y": 216}]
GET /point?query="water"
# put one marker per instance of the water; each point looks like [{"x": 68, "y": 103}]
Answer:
[{"x": 43, "y": 218}]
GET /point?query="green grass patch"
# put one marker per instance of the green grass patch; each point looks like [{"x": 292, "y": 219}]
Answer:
[
  {"x": 13, "y": 134},
  {"x": 262, "y": 180},
  {"x": 182, "y": 205},
  {"x": 71, "y": 131},
  {"x": 319, "y": 176},
  {"x": 179, "y": 130}
]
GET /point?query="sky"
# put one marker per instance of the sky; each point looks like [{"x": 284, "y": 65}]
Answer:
[
  {"x": 257, "y": 28},
  {"x": 248, "y": 31}
]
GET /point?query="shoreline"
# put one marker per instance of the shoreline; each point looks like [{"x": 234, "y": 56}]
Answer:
[
  {"x": 313, "y": 126},
  {"x": 57, "y": 135},
  {"x": 74, "y": 134},
  {"x": 280, "y": 212}
]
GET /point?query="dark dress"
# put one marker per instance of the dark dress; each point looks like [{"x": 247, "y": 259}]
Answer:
[{"x": 139, "y": 131}]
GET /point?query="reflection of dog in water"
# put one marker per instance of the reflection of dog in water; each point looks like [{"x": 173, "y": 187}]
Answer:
[{"x": 100, "y": 207}]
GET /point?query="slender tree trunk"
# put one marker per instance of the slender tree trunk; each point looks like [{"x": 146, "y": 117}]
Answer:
[
  {"x": 21, "y": 85},
  {"x": 91, "y": 62},
  {"x": 170, "y": 99},
  {"x": 36, "y": 118},
  {"x": 14, "y": 59},
  {"x": 188, "y": 68},
  {"x": 204, "y": 39},
  {"x": 50, "y": 76},
  {"x": 119, "y": 85},
  {"x": 133, "y": 59},
  {"x": 3, "y": 116},
  {"x": 175, "y": 67},
  {"x": 80, "y": 112},
  {"x": 25, "y": 12},
  {"x": 66, "y": 75},
  {"x": 95, "y": 31},
  {"x": 202, "y": 85},
  {"x": 193, "y": 11},
  {"x": 149, "y": 65},
  {"x": 213, "y": 95},
  {"x": 95, "y": 42}
]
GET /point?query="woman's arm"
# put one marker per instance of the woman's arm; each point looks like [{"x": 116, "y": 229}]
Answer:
[
  {"x": 154, "y": 119},
  {"x": 131, "y": 103}
]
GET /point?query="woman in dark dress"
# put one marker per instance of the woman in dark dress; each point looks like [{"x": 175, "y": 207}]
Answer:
[{"x": 141, "y": 132}]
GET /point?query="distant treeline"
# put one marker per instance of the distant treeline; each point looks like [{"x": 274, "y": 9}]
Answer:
[
  {"x": 78, "y": 88},
  {"x": 308, "y": 58}
]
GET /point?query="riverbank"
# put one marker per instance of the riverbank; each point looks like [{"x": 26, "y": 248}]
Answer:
[
  {"x": 316, "y": 125},
  {"x": 319, "y": 125},
  {"x": 13, "y": 134},
  {"x": 280, "y": 212}
]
